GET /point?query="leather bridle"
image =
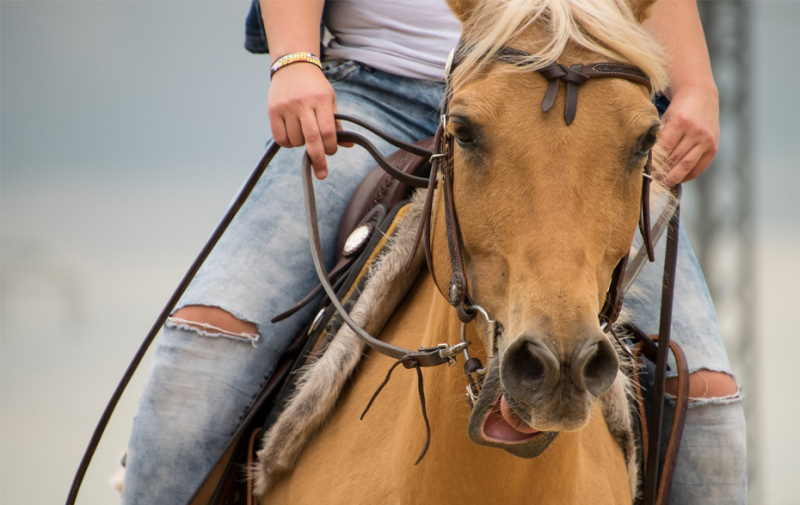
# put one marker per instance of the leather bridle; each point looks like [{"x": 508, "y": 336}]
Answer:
[{"x": 457, "y": 292}]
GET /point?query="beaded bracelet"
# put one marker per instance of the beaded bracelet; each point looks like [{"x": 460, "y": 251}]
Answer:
[{"x": 290, "y": 58}]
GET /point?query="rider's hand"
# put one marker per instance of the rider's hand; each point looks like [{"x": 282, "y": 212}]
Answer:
[
  {"x": 690, "y": 133},
  {"x": 301, "y": 107}
]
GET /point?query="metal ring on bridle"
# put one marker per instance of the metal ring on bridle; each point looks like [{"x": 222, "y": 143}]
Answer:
[{"x": 491, "y": 332}]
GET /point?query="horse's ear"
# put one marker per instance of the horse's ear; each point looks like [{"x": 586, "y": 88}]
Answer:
[
  {"x": 641, "y": 8},
  {"x": 463, "y": 8}
]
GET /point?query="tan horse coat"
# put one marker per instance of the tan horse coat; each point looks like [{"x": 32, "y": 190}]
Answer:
[{"x": 371, "y": 461}]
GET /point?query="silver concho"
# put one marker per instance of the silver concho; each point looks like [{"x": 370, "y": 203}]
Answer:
[{"x": 357, "y": 240}]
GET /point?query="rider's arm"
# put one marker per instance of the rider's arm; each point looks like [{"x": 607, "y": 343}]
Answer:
[
  {"x": 301, "y": 101},
  {"x": 690, "y": 131}
]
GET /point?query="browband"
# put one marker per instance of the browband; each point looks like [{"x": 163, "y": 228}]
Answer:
[{"x": 573, "y": 76}]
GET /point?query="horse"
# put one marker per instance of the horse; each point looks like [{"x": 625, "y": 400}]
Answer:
[{"x": 540, "y": 211}]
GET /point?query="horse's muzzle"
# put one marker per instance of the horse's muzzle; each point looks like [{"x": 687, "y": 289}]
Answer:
[{"x": 533, "y": 371}]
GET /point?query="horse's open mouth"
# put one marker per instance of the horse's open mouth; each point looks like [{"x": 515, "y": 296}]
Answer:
[
  {"x": 494, "y": 424},
  {"x": 503, "y": 426}
]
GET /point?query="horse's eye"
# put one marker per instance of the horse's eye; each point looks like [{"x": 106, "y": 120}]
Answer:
[
  {"x": 462, "y": 133},
  {"x": 647, "y": 143}
]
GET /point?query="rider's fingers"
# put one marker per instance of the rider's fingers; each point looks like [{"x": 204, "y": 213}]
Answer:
[
  {"x": 279, "y": 134},
  {"x": 339, "y": 125},
  {"x": 294, "y": 132},
  {"x": 683, "y": 169},
  {"x": 314, "y": 144},
  {"x": 327, "y": 127},
  {"x": 700, "y": 166},
  {"x": 679, "y": 151}
]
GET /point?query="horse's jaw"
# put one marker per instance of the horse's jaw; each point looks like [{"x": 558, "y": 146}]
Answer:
[{"x": 493, "y": 424}]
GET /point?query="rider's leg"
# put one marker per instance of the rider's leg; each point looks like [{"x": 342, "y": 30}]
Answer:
[
  {"x": 712, "y": 463},
  {"x": 218, "y": 349},
  {"x": 711, "y": 466}
]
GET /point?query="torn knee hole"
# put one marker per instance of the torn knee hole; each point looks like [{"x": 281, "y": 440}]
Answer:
[
  {"x": 213, "y": 322},
  {"x": 705, "y": 384}
]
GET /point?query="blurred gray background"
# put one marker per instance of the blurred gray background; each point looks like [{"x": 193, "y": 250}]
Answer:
[{"x": 127, "y": 127}]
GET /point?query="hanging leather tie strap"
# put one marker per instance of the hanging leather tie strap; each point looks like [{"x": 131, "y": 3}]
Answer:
[
  {"x": 573, "y": 78},
  {"x": 408, "y": 363}
]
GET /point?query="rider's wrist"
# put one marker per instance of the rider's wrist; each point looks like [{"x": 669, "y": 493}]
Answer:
[{"x": 291, "y": 58}]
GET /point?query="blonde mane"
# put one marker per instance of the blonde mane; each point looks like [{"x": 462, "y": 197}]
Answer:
[{"x": 607, "y": 27}]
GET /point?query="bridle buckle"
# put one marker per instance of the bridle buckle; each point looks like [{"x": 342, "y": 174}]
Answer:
[{"x": 449, "y": 352}]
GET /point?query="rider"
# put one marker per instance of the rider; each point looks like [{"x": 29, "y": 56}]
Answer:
[{"x": 385, "y": 64}]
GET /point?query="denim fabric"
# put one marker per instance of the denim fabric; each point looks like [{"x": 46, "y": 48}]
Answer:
[
  {"x": 712, "y": 463},
  {"x": 255, "y": 37},
  {"x": 694, "y": 321},
  {"x": 202, "y": 382}
]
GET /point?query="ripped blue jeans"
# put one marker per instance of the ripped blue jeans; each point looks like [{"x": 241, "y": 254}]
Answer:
[
  {"x": 712, "y": 466},
  {"x": 202, "y": 382}
]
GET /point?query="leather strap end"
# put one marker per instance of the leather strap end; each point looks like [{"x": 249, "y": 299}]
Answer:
[
  {"x": 550, "y": 95},
  {"x": 571, "y": 105}
]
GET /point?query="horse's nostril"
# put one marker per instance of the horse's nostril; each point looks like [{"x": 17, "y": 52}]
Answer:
[
  {"x": 595, "y": 366},
  {"x": 527, "y": 366},
  {"x": 527, "y": 362}
]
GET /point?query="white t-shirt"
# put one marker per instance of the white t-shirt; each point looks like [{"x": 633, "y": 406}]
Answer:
[{"x": 405, "y": 37}]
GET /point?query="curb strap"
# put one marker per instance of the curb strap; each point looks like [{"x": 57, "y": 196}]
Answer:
[{"x": 473, "y": 368}]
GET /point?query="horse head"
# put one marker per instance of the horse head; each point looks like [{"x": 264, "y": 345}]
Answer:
[{"x": 547, "y": 206}]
